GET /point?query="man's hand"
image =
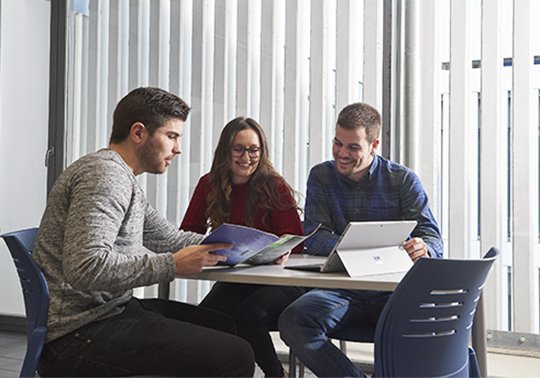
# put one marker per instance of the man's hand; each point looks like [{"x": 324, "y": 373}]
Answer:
[
  {"x": 190, "y": 260},
  {"x": 416, "y": 248}
]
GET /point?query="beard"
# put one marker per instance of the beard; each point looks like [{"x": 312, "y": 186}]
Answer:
[
  {"x": 354, "y": 169},
  {"x": 347, "y": 166},
  {"x": 149, "y": 159}
]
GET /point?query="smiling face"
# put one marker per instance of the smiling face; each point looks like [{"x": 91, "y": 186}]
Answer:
[
  {"x": 246, "y": 142},
  {"x": 353, "y": 152},
  {"x": 158, "y": 151}
]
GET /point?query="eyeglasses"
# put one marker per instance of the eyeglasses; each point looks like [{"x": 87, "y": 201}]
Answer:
[{"x": 238, "y": 151}]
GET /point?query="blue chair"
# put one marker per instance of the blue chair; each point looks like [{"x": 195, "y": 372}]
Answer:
[
  {"x": 36, "y": 295},
  {"x": 424, "y": 328}
]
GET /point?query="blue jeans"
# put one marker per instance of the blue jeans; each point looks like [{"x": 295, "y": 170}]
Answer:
[{"x": 306, "y": 324}]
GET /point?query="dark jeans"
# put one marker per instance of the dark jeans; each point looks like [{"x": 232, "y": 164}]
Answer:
[
  {"x": 256, "y": 310},
  {"x": 151, "y": 336},
  {"x": 306, "y": 324}
]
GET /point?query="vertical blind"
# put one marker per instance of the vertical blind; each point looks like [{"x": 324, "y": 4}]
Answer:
[
  {"x": 465, "y": 84},
  {"x": 477, "y": 136},
  {"x": 276, "y": 61}
]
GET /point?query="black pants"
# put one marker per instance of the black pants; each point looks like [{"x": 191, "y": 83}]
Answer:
[
  {"x": 256, "y": 310},
  {"x": 152, "y": 336}
]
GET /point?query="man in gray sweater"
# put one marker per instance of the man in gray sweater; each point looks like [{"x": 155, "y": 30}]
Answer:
[{"x": 100, "y": 238}]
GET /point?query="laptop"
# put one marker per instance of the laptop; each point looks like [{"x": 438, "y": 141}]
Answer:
[{"x": 368, "y": 248}]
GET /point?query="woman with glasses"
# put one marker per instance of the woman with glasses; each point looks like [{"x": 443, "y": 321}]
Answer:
[{"x": 243, "y": 188}]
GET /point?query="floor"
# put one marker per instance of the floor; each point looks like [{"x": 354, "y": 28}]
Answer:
[
  {"x": 500, "y": 365},
  {"x": 12, "y": 349},
  {"x": 13, "y": 346}
]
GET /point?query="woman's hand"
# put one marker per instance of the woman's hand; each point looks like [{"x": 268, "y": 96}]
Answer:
[{"x": 282, "y": 259}]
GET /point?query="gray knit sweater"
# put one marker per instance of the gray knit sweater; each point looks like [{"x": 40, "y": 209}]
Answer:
[{"x": 91, "y": 242}]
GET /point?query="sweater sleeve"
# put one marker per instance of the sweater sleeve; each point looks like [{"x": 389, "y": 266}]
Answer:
[
  {"x": 195, "y": 219},
  {"x": 162, "y": 236},
  {"x": 99, "y": 201}
]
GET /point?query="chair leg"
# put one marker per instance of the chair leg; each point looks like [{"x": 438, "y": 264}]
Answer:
[
  {"x": 300, "y": 369},
  {"x": 292, "y": 364}
]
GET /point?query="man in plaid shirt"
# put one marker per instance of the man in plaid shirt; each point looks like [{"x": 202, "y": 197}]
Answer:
[{"x": 358, "y": 185}]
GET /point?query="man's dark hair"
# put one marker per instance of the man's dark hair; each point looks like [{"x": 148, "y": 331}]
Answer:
[
  {"x": 150, "y": 106},
  {"x": 361, "y": 115}
]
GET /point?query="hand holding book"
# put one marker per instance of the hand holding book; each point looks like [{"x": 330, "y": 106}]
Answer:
[{"x": 252, "y": 246}]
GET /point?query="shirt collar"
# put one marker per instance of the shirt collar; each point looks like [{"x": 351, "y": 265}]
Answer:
[{"x": 374, "y": 164}]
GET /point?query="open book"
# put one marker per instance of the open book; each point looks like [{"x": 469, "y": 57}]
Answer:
[{"x": 250, "y": 245}]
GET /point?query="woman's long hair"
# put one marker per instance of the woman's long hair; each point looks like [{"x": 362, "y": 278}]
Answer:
[{"x": 263, "y": 184}]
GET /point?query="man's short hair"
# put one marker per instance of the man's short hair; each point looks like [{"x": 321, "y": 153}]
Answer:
[
  {"x": 150, "y": 106},
  {"x": 361, "y": 115}
]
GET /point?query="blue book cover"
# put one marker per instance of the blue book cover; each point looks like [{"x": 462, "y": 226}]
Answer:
[{"x": 250, "y": 245}]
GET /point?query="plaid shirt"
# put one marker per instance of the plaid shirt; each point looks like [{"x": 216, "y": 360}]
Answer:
[{"x": 389, "y": 191}]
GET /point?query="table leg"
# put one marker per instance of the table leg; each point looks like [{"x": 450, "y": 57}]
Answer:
[
  {"x": 479, "y": 337},
  {"x": 164, "y": 290}
]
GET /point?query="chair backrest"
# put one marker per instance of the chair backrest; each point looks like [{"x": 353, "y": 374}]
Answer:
[
  {"x": 35, "y": 292},
  {"x": 425, "y": 326}
]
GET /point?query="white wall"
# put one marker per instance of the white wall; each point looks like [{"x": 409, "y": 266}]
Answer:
[{"x": 24, "y": 93}]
